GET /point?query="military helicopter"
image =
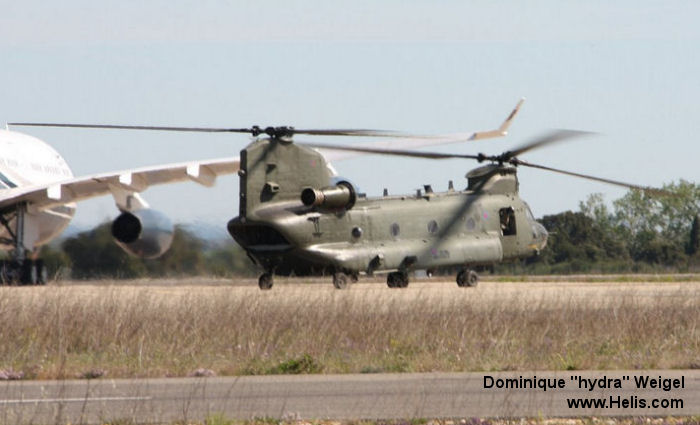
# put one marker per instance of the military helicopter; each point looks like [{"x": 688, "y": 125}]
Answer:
[{"x": 297, "y": 218}]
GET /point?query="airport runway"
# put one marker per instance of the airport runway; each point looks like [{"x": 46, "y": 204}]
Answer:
[{"x": 381, "y": 396}]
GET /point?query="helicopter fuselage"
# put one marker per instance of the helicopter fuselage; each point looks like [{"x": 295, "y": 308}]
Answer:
[{"x": 340, "y": 230}]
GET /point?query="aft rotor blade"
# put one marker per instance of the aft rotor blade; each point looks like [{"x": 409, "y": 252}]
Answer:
[
  {"x": 547, "y": 139},
  {"x": 650, "y": 190},
  {"x": 393, "y": 152}
]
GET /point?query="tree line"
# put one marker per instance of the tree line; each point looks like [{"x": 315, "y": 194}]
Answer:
[
  {"x": 642, "y": 232},
  {"x": 93, "y": 254}
]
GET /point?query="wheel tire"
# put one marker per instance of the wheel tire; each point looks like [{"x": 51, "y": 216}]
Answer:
[
  {"x": 391, "y": 280},
  {"x": 467, "y": 278},
  {"x": 462, "y": 278},
  {"x": 29, "y": 275},
  {"x": 11, "y": 272},
  {"x": 472, "y": 279},
  {"x": 397, "y": 280},
  {"x": 5, "y": 273},
  {"x": 340, "y": 280},
  {"x": 265, "y": 281},
  {"x": 42, "y": 274}
]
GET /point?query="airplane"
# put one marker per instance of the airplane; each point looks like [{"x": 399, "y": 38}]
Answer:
[{"x": 38, "y": 191}]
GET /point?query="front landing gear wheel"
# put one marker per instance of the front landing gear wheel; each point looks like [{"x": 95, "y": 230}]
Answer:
[
  {"x": 397, "y": 280},
  {"x": 265, "y": 281},
  {"x": 467, "y": 279},
  {"x": 340, "y": 280}
]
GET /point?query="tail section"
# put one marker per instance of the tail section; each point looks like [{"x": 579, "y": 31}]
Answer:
[{"x": 503, "y": 129}]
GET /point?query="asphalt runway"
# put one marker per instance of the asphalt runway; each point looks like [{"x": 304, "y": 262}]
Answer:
[{"x": 380, "y": 396}]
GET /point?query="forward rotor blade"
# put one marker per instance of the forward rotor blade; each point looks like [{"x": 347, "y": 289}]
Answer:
[
  {"x": 359, "y": 133},
  {"x": 393, "y": 152},
  {"x": 547, "y": 139},
  {"x": 255, "y": 130},
  {"x": 133, "y": 127},
  {"x": 646, "y": 189}
]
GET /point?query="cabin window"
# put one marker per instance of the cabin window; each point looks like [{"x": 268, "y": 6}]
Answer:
[
  {"x": 507, "y": 217},
  {"x": 356, "y": 232},
  {"x": 528, "y": 213},
  {"x": 395, "y": 230},
  {"x": 433, "y": 226}
]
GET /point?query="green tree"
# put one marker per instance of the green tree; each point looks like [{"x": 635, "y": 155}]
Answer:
[
  {"x": 57, "y": 262},
  {"x": 93, "y": 254},
  {"x": 577, "y": 244},
  {"x": 228, "y": 259},
  {"x": 694, "y": 242},
  {"x": 184, "y": 258},
  {"x": 656, "y": 226}
]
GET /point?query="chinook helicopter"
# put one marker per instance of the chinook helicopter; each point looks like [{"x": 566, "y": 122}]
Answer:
[{"x": 298, "y": 218}]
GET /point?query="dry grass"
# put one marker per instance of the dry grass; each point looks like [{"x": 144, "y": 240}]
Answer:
[{"x": 164, "y": 330}]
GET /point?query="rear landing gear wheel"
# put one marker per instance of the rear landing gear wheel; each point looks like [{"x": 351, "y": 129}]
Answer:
[
  {"x": 467, "y": 279},
  {"x": 397, "y": 280},
  {"x": 340, "y": 280},
  {"x": 265, "y": 281}
]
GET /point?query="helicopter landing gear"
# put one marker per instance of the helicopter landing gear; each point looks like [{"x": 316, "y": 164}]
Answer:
[
  {"x": 341, "y": 280},
  {"x": 265, "y": 281},
  {"x": 467, "y": 278},
  {"x": 397, "y": 280}
]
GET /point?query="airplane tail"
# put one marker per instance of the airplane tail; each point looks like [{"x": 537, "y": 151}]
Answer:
[{"x": 503, "y": 129}]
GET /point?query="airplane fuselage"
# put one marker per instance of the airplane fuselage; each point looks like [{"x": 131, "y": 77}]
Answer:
[{"x": 26, "y": 161}]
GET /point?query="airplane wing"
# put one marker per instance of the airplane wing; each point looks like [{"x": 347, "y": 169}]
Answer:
[{"x": 121, "y": 184}]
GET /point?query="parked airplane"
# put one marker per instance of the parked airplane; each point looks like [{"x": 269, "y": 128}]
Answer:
[{"x": 38, "y": 193}]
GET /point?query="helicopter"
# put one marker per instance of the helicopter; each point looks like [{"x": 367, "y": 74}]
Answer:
[{"x": 298, "y": 218}]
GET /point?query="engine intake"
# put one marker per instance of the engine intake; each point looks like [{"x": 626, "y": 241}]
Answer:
[
  {"x": 144, "y": 233},
  {"x": 340, "y": 196}
]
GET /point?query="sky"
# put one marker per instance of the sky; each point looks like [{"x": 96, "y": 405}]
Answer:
[{"x": 627, "y": 70}]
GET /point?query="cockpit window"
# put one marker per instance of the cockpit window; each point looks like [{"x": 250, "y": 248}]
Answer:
[
  {"x": 5, "y": 182},
  {"x": 507, "y": 219}
]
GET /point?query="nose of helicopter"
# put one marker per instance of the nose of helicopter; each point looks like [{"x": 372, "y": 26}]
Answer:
[{"x": 540, "y": 234}]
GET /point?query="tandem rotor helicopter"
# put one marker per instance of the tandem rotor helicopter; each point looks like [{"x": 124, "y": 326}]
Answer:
[{"x": 297, "y": 218}]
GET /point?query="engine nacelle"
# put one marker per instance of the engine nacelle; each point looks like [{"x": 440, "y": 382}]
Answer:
[
  {"x": 144, "y": 233},
  {"x": 340, "y": 196}
]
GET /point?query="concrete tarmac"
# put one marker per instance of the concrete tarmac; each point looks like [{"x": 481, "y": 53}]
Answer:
[{"x": 373, "y": 396}]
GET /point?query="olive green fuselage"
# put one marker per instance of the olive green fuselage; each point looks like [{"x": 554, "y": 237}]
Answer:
[{"x": 486, "y": 224}]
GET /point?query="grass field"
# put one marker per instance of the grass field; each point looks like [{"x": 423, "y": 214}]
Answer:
[{"x": 167, "y": 328}]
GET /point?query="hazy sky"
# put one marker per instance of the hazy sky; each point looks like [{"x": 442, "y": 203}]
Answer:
[{"x": 629, "y": 70}]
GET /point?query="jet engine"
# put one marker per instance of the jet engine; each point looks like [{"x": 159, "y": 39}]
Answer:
[
  {"x": 340, "y": 196},
  {"x": 144, "y": 233}
]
